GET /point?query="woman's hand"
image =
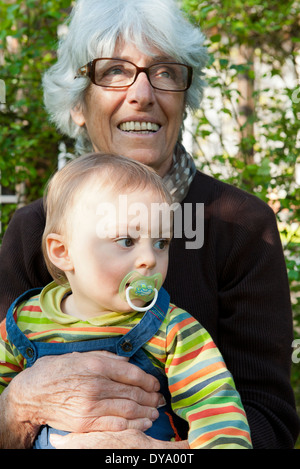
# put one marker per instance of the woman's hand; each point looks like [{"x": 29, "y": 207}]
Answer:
[
  {"x": 127, "y": 439},
  {"x": 78, "y": 392}
]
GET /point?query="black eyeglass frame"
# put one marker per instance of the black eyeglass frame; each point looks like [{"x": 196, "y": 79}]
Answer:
[{"x": 88, "y": 70}]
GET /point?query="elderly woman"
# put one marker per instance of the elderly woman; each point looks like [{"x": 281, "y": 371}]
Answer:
[{"x": 125, "y": 75}]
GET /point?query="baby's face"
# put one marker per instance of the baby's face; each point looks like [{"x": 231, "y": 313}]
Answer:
[{"x": 111, "y": 236}]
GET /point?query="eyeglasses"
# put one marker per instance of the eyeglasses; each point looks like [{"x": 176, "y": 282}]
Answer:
[{"x": 118, "y": 73}]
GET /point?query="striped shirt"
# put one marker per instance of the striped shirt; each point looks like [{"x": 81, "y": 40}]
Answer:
[{"x": 202, "y": 389}]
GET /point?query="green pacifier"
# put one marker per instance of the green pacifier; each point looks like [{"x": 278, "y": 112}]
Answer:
[{"x": 139, "y": 287}]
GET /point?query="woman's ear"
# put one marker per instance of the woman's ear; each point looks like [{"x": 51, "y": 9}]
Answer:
[
  {"x": 77, "y": 116},
  {"x": 58, "y": 252}
]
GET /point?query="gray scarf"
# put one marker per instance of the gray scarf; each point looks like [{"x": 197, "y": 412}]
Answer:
[{"x": 181, "y": 174}]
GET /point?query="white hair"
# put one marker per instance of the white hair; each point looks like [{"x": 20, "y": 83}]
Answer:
[{"x": 94, "y": 27}]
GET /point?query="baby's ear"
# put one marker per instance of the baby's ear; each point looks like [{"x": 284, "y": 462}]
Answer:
[{"x": 58, "y": 253}]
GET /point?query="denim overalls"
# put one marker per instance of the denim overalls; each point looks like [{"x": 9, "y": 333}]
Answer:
[{"x": 129, "y": 345}]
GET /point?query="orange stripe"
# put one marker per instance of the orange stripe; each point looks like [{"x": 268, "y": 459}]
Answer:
[
  {"x": 215, "y": 411},
  {"x": 158, "y": 341},
  {"x": 224, "y": 431},
  {"x": 177, "y": 361},
  {"x": 31, "y": 308},
  {"x": 6, "y": 380},
  {"x": 11, "y": 366},
  {"x": 3, "y": 331},
  {"x": 177, "y": 327},
  {"x": 198, "y": 375}
]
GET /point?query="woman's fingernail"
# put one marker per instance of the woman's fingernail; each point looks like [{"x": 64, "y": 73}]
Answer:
[
  {"x": 162, "y": 402},
  {"x": 155, "y": 414},
  {"x": 147, "y": 424},
  {"x": 156, "y": 386}
]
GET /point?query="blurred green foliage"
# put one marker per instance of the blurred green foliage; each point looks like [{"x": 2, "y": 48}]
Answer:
[
  {"x": 28, "y": 143},
  {"x": 254, "y": 73}
]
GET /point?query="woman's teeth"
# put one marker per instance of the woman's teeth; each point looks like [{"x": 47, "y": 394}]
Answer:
[{"x": 132, "y": 126}]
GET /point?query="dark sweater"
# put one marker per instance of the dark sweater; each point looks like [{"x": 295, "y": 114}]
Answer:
[{"x": 235, "y": 285}]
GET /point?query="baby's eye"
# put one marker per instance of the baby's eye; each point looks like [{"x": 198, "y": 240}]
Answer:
[
  {"x": 125, "y": 242},
  {"x": 161, "y": 244}
]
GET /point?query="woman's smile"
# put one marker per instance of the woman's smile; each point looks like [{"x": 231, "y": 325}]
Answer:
[
  {"x": 139, "y": 122},
  {"x": 141, "y": 127}
]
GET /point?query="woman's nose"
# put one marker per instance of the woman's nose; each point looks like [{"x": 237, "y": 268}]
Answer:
[{"x": 141, "y": 92}]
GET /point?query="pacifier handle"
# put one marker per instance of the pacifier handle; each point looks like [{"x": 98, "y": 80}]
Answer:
[{"x": 141, "y": 309}]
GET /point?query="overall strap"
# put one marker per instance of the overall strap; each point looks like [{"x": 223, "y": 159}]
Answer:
[
  {"x": 16, "y": 336},
  {"x": 128, "y": 344}
]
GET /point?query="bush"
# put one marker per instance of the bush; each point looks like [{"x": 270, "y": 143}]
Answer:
[{"x": 247, "y": 132}]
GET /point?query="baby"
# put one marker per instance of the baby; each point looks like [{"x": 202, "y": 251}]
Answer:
[{"x": 106, "y": 243}]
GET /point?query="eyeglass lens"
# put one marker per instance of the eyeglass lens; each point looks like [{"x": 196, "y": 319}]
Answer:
[{"x": 115, "y": 73}]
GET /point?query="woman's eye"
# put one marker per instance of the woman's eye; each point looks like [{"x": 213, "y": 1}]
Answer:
[
  {"x": 165, "y": 74},
  {"x": 111, "y": 73},
  {"x": 114, "y": 71},
  {"x": 125, "y": 242}
]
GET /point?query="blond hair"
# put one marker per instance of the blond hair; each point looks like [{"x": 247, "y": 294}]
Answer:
[{"x": 116, "y": 173}]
